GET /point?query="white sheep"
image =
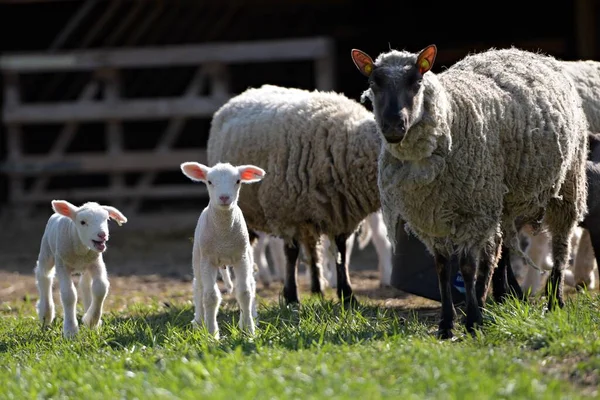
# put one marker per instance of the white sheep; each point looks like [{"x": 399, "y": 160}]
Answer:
[
  {"x": 498, "y": 136},
  {"x": 320, "y": 149},
  {"x": 221, "y": 240},
  {"x": 74, "y": 240}
]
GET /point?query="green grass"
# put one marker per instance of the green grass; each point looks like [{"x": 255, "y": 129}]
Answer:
[{"x": 319, "y": 351}]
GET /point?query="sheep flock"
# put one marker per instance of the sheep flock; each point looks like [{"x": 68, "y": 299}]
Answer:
[{"x": 491, "y": 163}]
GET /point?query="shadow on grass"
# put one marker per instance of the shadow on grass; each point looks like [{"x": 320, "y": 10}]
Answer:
[{"x": 314, "y": 322}]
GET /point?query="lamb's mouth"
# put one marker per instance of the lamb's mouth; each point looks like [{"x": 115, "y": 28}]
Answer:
[{"x": 99, "y": 245}]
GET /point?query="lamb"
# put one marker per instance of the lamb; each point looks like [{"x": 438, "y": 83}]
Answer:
[
  {"x": 73, "y": 242},
  {"x": 221, "y": 240},
  {"x": 498, "y": 136},
  {"x": 322, "y": 150}
]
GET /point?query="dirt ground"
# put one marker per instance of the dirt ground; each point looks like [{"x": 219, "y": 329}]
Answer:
[{"x": 148, "y": 263}]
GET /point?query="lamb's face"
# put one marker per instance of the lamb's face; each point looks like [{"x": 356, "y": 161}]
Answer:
[
  {"x": 223, "y": 182},
  {"x": 92, "y": 227},
  {"x": 395, "y": 88}
]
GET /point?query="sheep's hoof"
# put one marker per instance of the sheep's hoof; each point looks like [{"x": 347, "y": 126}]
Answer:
[
  {"x": 290, "y": 296},
  {"x": 349, "y": 301},
  {"x": 91, "y": 322},
  {"x": 444, "y": 333},
  {"x": 69, "y": 332}
]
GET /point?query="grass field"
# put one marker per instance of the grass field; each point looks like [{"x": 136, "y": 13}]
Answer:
[{"x": 320, "y": 350}]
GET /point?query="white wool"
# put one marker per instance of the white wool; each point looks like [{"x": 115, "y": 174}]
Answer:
[
  {"x": 74, "y": 241},
  {"x": 221, "y": 240}
]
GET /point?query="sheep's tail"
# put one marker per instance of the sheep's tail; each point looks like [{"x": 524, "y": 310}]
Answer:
[{"x": 364, "y": 235}]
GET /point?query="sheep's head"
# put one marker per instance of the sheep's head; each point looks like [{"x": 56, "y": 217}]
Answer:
[
  {"x": 395, "y": 88},
  {"x": 91, "y": 221},
  {"x": 223, "y": 180}
]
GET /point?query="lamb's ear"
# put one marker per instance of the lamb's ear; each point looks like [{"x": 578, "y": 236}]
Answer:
[
  {"x": 363, "y": 62},
  {"x": 251, "y": 173},
  {"x": 195, "y": 171},
  {"x": 64, "y": 208},
  {"x": 116, "y": 215},
  {"x": 426, "y": 58}
]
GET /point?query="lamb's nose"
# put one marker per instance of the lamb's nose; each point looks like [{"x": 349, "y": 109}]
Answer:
[
  {"x": 224, "y": 199},
  {"x": 102, "y": 235}
]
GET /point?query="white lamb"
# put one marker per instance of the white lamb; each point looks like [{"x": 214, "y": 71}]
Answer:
[
  {"x": 221, "y": 239},
  {"x": 74, "y": 240}
]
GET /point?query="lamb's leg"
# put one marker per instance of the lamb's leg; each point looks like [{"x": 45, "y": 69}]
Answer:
[
  {"x": 513, "y": 283},
  {"x": 197, "y": 288},
  {"x": 277, "y": 251},
  {"x": 68, "y": 297},
  {"x": 316, "y": 272},
  {"x": 211, "y": 297},
  {"x": 583, "y": 266},
  {"x": 290, "y": 288},
  {"x": 85, "y": 287},
  {"x": 260, "y": 259},
  {"x": 443, "y": 268},
  {"x": 100, "y": 285},
  {"x": 44, "y": 274},
  {"x": 468, "y": 269},
  {"x": 344, "y": 290},
  {"x": 245, "y": 293}
]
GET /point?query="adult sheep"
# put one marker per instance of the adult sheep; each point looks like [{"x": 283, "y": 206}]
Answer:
[
  {"x": 497, "y": 136},
  {"x": 320, "y": 151}
]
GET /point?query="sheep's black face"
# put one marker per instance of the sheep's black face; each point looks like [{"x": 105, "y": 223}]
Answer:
[
  {"x": 395, "y": 87},
  {"x": 394, "y": 93}
]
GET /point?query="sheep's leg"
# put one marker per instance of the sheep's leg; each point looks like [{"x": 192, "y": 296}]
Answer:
[
  {"x": 197, "y": 287},
  {"x": 560, "y": 256},
  {"x": 211, "y": 297},
  {"x": 290, "y": 288},
  {"x": 226, "y": 276},
  {"x": 513, "y": 283},
  {"x": 344, "y": 290},
  {"x": 468, "y": 269},
  {"x": 85, "y": 287},
  {"x": 44, "y": 274},
  {"x": 443, "y": 268},
  {"x": 100, "y": 285},
  {"x": 68, "y": 297},
  {"x": 487, "y": 269},
  {"x": 245, "y": 293}
]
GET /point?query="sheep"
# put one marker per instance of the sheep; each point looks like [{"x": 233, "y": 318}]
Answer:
[
  {"x": 221, "y": 240},
  {"x": 497, "y": 136},
  {"x": 322, "y": 150},
  {"x": 73, "y": 242}
]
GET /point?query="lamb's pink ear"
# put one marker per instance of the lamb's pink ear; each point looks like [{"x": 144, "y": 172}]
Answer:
[
  {"x": 251, "y": 173},
  {"x": 426, "y": 58},
  {"x": 116, "y": 215},
  {"x": 195, "y": 171},
  {"x": 64, "y": 208},
  {"x": 363, "y": 62}
]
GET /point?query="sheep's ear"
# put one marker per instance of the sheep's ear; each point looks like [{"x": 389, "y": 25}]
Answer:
[
  {"x": 195, "y": 171},
  {"x": 426, "y": 58},
  {"x": 64, "y": 208},
  {"x": 251, "y": 173},
  {"x": 363, "y": 62},
  {"x": 116, "y": 215}
]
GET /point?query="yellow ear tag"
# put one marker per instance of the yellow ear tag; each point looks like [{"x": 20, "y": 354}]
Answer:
[
  {"x": 368, "y": 68},
  {"x": 424, "y": 64}
]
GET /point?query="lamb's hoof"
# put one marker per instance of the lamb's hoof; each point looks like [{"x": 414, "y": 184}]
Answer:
[
  {"x": 91, "y": 322},
  {"x": 290, "y": 296},
  {"x": 69, "y": 332}
]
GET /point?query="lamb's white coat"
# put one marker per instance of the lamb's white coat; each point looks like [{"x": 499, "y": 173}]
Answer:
[
  {"x": 221, "y": 240},
  {"x": 73, "y": 241}
]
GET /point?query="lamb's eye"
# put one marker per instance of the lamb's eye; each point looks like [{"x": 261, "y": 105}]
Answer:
[
  {"x": 238, "y": 182},
  {"x": 209, "y": 182},
  {"x": 82, "y": 222}
]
